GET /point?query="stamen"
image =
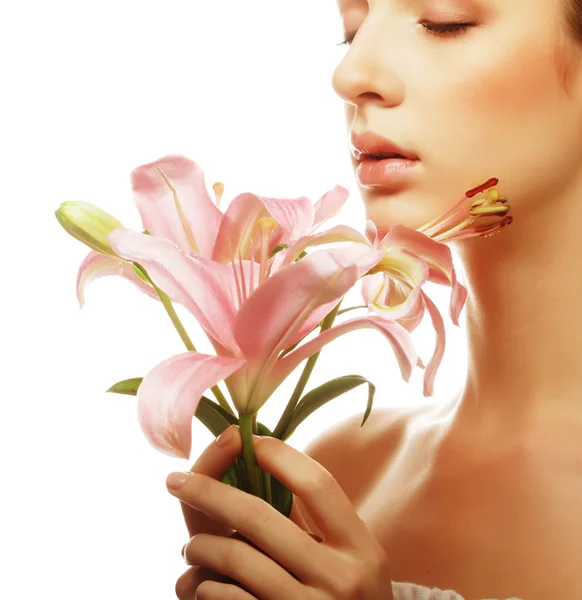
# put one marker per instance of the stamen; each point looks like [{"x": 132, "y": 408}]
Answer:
[
  {"x": 218, "y": 188},
  {"x": 242, "y": 276},
  {"x": 238, "y": 290},
  {"x": 481, "y": 188},
  {"x": 252, "y": 269}
]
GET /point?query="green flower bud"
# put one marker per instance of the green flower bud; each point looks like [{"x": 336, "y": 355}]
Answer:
[{"x": 89, "y": 224}]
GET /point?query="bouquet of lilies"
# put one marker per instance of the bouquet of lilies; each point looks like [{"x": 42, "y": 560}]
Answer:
[{"x": 257, "y": 283}]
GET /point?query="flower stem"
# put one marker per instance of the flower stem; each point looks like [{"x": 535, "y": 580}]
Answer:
[
  {"x": 285, "y": 419},
  {"x": 266, "y": 476},
  {"x": 246, "y": 434},
  {"x": 182, "y": 333}
]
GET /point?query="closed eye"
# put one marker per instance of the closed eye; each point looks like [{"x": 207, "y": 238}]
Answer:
[{"x": 436, "y": 29}]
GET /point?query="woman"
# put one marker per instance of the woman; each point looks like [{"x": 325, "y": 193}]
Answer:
[{"x": 483, "y": 495}]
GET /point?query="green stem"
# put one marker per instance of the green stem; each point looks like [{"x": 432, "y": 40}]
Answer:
[
  {"x": 182, "y": 333},
  {"x": 246, "y": 433},
  {"x": 266, "y": 492},
  {"x": 285, "y": 419}
]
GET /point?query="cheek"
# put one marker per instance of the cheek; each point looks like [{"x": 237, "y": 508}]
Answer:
[{"x": 502, "y": 117}]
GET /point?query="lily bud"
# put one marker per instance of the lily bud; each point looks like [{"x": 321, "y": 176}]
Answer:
[{"x": 89, "y": 224}]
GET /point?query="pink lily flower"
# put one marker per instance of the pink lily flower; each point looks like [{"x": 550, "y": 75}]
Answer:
[
  {"x": 396, "y": 293},
  {"x": 174, "y": 203},
  {"x": 393, "y": 288},
  {"x": 249, "y": 324}
]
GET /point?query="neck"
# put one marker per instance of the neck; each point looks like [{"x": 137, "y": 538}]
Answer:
[{"x": 523, "y": 318}]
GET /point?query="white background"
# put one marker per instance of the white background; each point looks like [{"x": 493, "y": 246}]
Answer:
[{"x": 92, "y": 90}]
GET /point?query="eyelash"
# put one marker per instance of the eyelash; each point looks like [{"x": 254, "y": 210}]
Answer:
[{"x": 436, "y": 29}]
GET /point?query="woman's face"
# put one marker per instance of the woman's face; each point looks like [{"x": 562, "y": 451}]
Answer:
[{"x": 488, "y": 102}]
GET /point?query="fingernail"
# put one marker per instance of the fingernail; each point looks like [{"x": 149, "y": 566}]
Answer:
[
  {"x": 184, "y": 548},
  {"x": 225, "y": 437},
  {"x": 176, "y": 480}
]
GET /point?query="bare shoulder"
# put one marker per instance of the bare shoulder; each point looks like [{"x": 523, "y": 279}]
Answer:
[{"x": 356, "y": 456}]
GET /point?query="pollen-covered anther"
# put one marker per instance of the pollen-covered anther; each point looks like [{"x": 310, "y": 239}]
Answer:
[
  {"x": 218, "y": 188},
  {"x": 266, "y": 224},
  {"x": 491, "y": 197},
  {"x": 494, "y": 209}
]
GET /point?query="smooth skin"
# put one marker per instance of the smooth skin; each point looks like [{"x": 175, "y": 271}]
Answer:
[{"x": 349, "y": 564}]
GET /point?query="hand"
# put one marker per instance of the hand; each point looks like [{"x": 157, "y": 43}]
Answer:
[
  {"x": 284, "y": 562},
  {"x": 213, "y": 462}
]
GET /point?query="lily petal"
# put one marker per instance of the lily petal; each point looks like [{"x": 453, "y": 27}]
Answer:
[
  {"x": 172, "y": 199},
  {"x": 437, "y": 357},
  {"x": 295, "y": 215},
  {"x": 371, "y": 232},
  {"x": 329, "y": 204},
  {"x": 184, "y": 279},
  {"x": 96, "y": 265},
  {"x": 270, "y": 318},
  {"x": 437, "y": 256},
  {"x": 339, "y": 233},
  {"x": 458, "y": 299},
  {"x": 397, "y": 335},
  {"x": 405, "y": 274},
  {"x": 238, "y": 228},
  {"x": 169, "y": 395}
]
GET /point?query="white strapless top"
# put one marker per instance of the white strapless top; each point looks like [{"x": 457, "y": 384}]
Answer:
[{"x": 410, "y": 591}]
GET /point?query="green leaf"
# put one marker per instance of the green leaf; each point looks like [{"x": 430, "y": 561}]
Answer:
[
  {"x": 140, "y": 272},
  {"x": 278, "y": 249},
  {"x": 345, "y": 310},
  {"x": 215, "y": 418},
  {"x": 127, "y": 386},
  {"x": 324, "y": 393}
]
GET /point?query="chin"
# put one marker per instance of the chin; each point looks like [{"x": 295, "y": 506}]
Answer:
[{"x": 389, "y": 210}]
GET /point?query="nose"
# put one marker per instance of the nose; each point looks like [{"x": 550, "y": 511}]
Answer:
[{"x": 369, "y": 70}]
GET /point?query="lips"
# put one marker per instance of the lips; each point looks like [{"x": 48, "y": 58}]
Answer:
[{"x": 372, "y": 145}]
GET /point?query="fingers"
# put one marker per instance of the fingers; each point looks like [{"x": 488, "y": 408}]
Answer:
[
  {"x": 213, "y": 462},
  {"x": 211, "y": 590},
  {"x": 246, "y": 564},
  {"x": 188, "y": 583},
  {"x": 321, "y": 495},
  {"x": 259, "y": 522}
]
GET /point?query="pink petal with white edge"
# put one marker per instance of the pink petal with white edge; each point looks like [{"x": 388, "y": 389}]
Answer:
[
  {"x": 339, "y": 233},
  {"x": 184, "y": 279},
  {"x": 238, "y": 227},
  {"x": 169, "y": 395},
  {"x": 398, "y": 337},
  {"x": 458, "y": 298},
  {"x": 371, "y": 232},
  {"x": 405, "y": 274},
  {"x": 189, "y": 217},
  {"x": 294, "y": 215},
  {"x": 437, "y": 255},
  {"x": 283, "y": 303},
  {"x": 330, "y": 204},
  {"x": 96, "y": 265},
  {"x": 437, "y": 357}
]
